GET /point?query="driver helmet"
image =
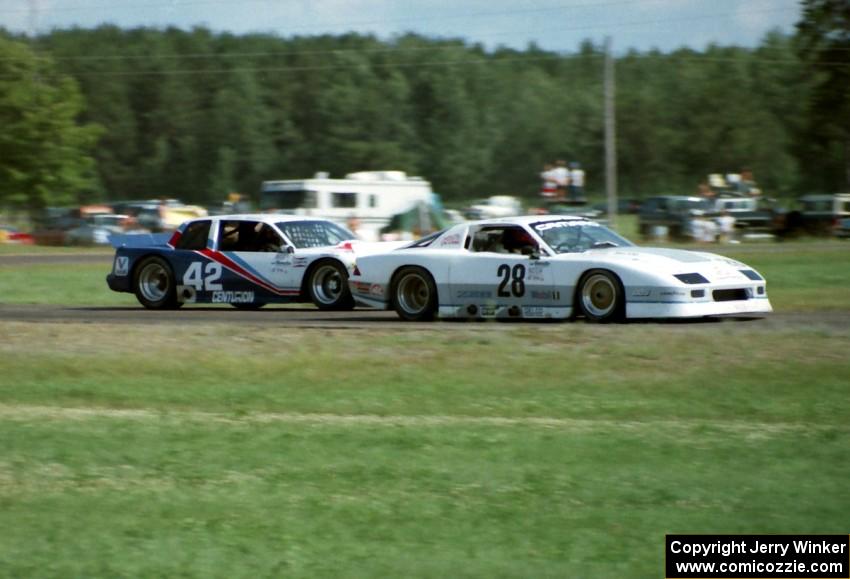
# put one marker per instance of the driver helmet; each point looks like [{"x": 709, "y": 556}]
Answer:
[{"x": 517, "y": 239}]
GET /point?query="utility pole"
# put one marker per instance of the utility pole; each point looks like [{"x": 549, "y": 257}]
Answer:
[
  {"x": 610, "y": 137},
  {"x": 32, "y": 27}
]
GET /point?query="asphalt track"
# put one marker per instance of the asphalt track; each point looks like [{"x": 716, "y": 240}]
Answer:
[{"x": 307, "y": 317}]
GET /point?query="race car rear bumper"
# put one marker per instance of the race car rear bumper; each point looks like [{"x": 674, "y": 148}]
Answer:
[{"x": 118, "y": 283}]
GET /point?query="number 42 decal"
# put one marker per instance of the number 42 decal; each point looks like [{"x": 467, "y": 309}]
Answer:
[
  {"x": 206, "y": 280},
  {"x": 515, "y": 277}
]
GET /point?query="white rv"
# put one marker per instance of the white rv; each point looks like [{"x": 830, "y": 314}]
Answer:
[{"x": 369, "y": 197}]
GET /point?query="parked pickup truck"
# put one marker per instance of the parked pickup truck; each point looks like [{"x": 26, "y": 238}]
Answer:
[
  {"x": 676, "y": 214},
  {"x": 752, "y": 214}
]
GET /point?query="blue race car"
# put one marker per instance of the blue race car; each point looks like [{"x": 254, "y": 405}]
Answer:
[{"x": 243, "y": 260}]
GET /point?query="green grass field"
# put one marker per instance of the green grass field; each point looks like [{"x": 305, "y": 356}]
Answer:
[{"x": 473, "y": 450}]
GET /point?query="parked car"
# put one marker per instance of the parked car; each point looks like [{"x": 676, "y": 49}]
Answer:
[
  {"x": 243, "y": 260},
  {"x": 818, "y": 215},
  {"x": 673, "y": 216},
  {"x": 99, "y": 229},
  {"x": 9, "y": 234},
  {"x": 552, "y": 267},
  {"x": 52, "y": 227},
  {"x": 495, "y": 206},
  {"x": 843, "y": 229},
  {"x": 752, "y": 214}
]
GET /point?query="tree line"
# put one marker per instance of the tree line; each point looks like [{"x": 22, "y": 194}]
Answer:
[{"x": 111, "y": 113}]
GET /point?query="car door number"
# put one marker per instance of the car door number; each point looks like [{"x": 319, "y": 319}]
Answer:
[
  {"x": 513, "y": 281},
  {"x": 203, "y": 276}
]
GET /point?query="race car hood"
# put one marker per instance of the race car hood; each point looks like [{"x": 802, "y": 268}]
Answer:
[{"x": 669, "y": 261}]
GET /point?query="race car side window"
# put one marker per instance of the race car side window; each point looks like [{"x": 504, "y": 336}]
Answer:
[
  {"x": 195, "y": 236},
  {"x": 504, "y": 239},
  {"x": 253, "y": 236}
]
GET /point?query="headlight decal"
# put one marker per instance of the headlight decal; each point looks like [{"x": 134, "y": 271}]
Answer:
[
  {"x": 691, "y": 278},
  {"x": 752, "y": 275}
]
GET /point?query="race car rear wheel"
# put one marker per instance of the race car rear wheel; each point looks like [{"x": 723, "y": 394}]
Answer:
[
  {"x": 153, "y": 284},
  {"x": 414, "y": 294},
  {"x": 327, "y": 284},
  {"x": 601, "y": 297}
]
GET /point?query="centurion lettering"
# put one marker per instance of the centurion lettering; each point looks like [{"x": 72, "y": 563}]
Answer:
[{"x": 229, "y": 297}]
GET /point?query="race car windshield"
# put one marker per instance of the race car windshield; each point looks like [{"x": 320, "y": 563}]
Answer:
[
  {"x": 578, "y": 236},
  {"x": 305, "y": 234}
]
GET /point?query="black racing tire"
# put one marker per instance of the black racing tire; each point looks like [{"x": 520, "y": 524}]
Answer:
[
  {"x": 153, "y": 284},
  {"x": 600, "y": 297},
  {"x": 413, "y": 294},
  {"x": 327, "y": 286},
  {"x": 249, "y": 306}
]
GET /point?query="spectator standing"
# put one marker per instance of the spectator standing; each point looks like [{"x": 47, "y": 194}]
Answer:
[
  {"x": 561, "y": 176},
  {"x": 725, "y": 227},
  {"x": 549, "y": 187},
  {"x": 576, "y": 186}
]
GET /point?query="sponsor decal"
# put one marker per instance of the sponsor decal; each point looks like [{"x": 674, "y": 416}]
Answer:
[
  {"x": 541, "y": 295},
  {"x": 641, "y": 293},
  {"x": 299, "y": 262},
  {"x": 533, "y": 312},
  {"x": 535, "y": 274},
  {"x": 450, "y": 240},
  {"x": 377, "y": 290},
  {"x": 472, "y": 294},
  {"x": 361, "y": 287},
  {"x": 122, "y": 265},
  {"x": 488, "y": 310},
  {"x": 672, "y": 293},
  {"x": 232, "y": 297}
]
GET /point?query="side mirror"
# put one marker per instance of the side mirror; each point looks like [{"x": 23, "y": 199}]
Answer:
[
  {"x": 534, "y": 255},
  {"x": 287, "y": 249}
]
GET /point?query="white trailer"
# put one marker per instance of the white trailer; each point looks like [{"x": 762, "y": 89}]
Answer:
[{"x": 371, "y": 198}]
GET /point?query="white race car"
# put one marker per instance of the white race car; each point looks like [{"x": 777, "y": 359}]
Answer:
[{"x": 553, "y": 267}]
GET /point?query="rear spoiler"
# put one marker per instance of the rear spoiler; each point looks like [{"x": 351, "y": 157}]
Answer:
[{"x": 140, "y": 240}]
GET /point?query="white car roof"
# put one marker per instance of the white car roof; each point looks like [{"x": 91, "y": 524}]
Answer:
[
  {"x": 264, "y": 217},
  {"x": 528, "y": 219}
]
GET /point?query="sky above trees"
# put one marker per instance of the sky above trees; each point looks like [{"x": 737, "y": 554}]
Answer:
[{"x": 552, "y": 25}]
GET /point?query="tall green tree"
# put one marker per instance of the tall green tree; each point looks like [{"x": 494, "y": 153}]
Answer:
[
  {"x": 824, "y": 35},
  {"x": 44, "y": 150}
]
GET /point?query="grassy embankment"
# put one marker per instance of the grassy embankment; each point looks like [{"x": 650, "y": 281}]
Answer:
[{"x": 558, "y": 450}]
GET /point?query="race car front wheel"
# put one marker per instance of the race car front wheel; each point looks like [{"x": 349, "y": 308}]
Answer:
[
  {"x": 328, "y": 286},
  {"x": 601, "y": 297},
  {"x": 153, "y": 284},
  {"x": 414, "y": 294}
]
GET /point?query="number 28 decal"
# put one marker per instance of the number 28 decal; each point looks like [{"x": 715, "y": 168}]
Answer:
[
  {"x": 206, "y": 280},
  {"x": 515, "y": 277}
]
